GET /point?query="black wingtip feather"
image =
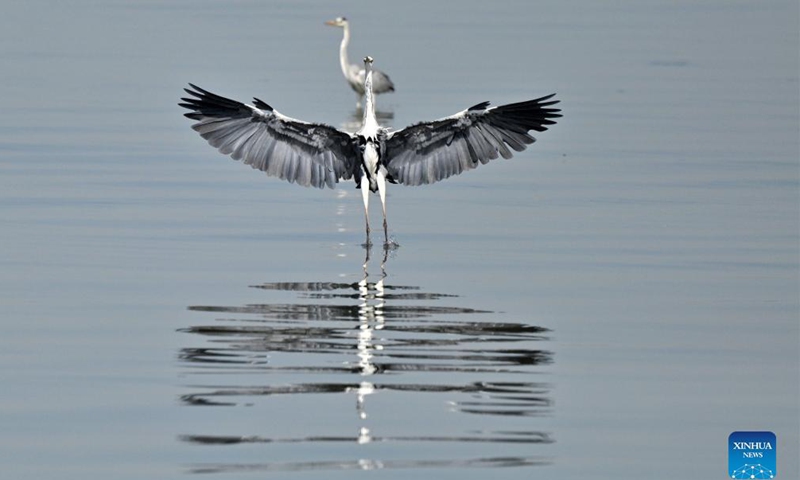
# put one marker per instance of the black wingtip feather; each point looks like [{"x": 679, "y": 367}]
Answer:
[
  {"x": 258, "y": 103},
  {"x": 479, "y": 106}
]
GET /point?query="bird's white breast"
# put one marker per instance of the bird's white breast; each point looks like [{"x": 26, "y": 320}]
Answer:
[
  {"x": 371, "y": 158},
  {"x": 369, "y": 164}
]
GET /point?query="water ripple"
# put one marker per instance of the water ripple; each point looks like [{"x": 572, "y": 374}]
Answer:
[{"x": 371, "y": 340}]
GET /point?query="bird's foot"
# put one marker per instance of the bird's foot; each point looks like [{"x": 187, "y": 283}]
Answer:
[{"x": 390, "y": 245}]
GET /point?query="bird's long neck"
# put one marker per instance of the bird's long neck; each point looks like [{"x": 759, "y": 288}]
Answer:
[
  {"x": 343, "y": 60},
  {"x": 369, "y": 100}
]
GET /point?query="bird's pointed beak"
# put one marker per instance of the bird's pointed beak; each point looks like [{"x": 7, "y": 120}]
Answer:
[{"x": 332, "y": 23}]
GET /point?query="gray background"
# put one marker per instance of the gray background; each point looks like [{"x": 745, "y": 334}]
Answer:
[{"x": 653, "y": 232}]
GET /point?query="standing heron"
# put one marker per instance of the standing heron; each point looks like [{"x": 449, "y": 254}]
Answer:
[
  {"x": 319, "y": 155},
  {"x": 353, "y": 73}
]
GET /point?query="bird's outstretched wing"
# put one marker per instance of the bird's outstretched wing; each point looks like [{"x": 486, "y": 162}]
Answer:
[
  {"x": 309, "y": 154},
  {"x": 431, "y": 151}
]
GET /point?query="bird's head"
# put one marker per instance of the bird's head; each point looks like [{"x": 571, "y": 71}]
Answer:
[
  {"x": 368, "y": 61},
  {"x": 337, "y": 22}
]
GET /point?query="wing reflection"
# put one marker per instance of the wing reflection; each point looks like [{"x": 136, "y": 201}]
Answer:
[
  {"x": 370, "y": 339},
  {"x": 366, "y": 464}
]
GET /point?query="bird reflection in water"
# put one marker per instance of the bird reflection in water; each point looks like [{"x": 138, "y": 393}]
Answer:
[
  {"x": 403, "y": 348},
  {"x": 371, "y": 319}
]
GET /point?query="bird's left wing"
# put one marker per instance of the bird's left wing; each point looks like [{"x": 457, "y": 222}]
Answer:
[
  {"x": 431, "y": 151},
  {"x": 308, "y": 154}
]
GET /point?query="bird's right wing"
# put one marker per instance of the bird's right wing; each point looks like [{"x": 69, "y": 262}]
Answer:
[
  {"x": 431, "y": 151},
  {"x": 308, "y": 154}
]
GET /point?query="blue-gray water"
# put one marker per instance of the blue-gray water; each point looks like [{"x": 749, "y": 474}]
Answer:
[{"x": 611, "y": 303}]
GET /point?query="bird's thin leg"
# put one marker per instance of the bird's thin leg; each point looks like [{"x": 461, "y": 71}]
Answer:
[
  {"x": 382, "y": 191},
  {"x": 365, "y": 197},
  {"x": 368, "y": 251}
]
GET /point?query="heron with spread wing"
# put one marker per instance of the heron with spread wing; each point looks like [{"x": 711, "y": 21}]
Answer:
[{"x": 319, "y": 155}]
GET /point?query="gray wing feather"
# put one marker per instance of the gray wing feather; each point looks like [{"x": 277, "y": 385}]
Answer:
[
  {"x": 312, "y": 155},
  {"x": 431, "y": 151},
  {"x": 381, "y": 83}
]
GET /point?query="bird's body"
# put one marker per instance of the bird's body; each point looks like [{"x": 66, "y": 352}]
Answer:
[
  {"x": 318, "y": 155},
  {"x": 354, "y": 73}
]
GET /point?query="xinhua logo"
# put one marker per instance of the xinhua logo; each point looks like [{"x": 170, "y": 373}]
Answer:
[{"x": 752, "y": 455}]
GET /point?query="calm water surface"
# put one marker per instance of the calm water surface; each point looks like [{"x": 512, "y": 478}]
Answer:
[{"x": 611, "y": 303}]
